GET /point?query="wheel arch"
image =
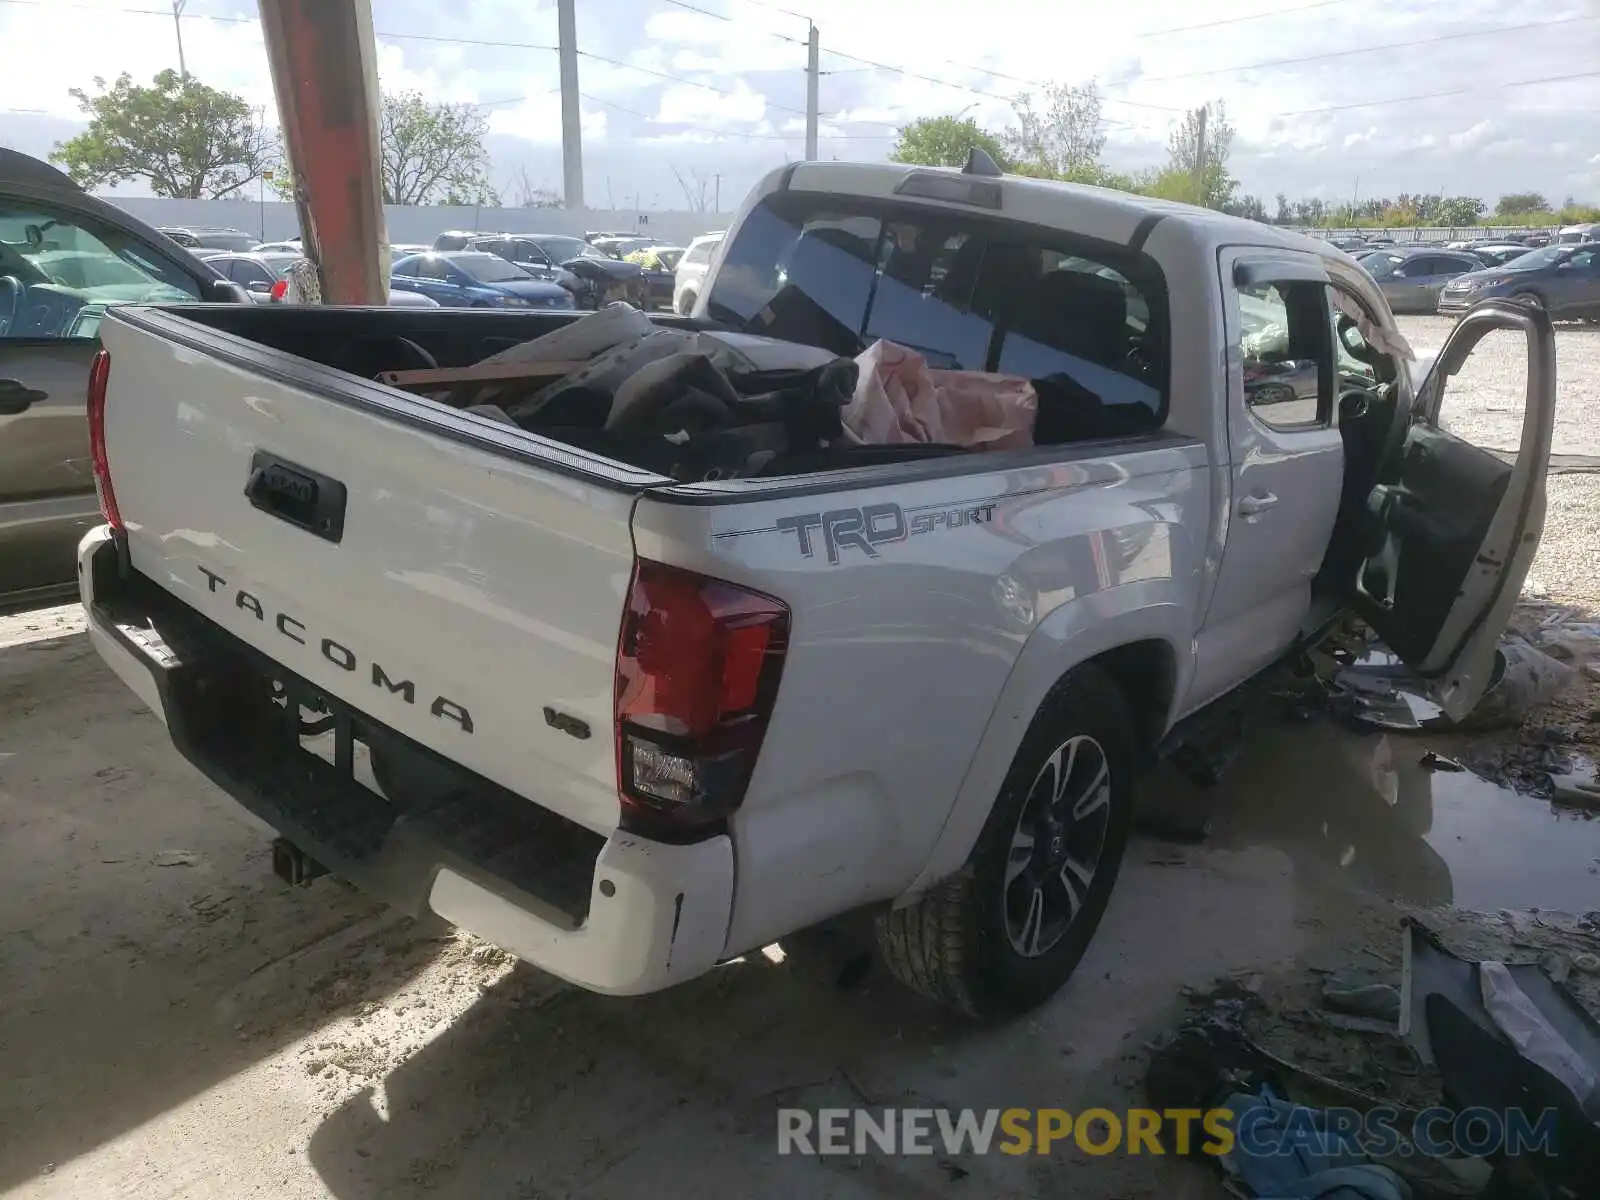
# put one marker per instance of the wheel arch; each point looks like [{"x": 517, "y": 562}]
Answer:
[{"x": 1139, "y": 647}]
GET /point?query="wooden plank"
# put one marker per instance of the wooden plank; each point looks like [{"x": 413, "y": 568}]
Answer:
[{"x": 447, "y": 377}]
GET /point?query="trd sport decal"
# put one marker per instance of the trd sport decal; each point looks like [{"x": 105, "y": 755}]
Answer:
[{"x": 867, "y": 528}]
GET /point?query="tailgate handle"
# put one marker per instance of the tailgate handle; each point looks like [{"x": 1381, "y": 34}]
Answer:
[{"x": 304, "y": 498}]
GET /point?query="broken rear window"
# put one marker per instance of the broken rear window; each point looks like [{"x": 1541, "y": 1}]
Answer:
[{"x": 1085, "y": 320}]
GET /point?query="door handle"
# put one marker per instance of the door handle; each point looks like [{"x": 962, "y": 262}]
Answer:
[
  {"x": 1254, "y": 506},
  {"x": 17, "y": 397}
]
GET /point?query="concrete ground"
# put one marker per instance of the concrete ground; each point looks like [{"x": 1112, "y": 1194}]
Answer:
[{"x": 175, "y": 1023}]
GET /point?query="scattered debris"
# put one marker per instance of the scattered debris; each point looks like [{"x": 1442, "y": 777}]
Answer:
[
  {"x": 1358, "y": 995},
  {"x": 1434, "y": 761},
  {"x": 176, "y": 858}
]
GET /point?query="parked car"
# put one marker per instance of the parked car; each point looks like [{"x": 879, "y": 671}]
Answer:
[
  {"x": 593, "y": 277},
  {"x": 633, "y": 720},
  {"x": 287, "y": 246},
  {"x": 1495, "y": 254},
  {"x": 1411, "y": 279},
  {"x": 1563, "y": 280},
  {"x": 1572, "y": 235},
  {"x": 473, "y": 279},
  {"x": 265, "y": 276},
  {"x": 691, "y": 271},
  {"x": 1350, "y": 244},
  {"x": 65, "y": 257},
  {"x": 526, "y": 254},
  {"x": 621, "y": 247},
  {"x": 657, "y": 262},
  {"x": 207, "y": 237}
]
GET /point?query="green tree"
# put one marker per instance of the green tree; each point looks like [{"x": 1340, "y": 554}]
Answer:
[
  {"x": 433, "y": 153},
  {"x": 945, "y": 142},
  {"x": 188, "y": 140},
  {"x": 1062, "y": 135},
  {"x": 1461, "y": 210},
  {"x": 1520, "y": 204},
  {"x": 1183, "y": 156}
]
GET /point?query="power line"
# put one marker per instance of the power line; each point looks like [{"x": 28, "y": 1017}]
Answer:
[
  {"x": 1261, "y": 16},
  {"x": 710, "y": 87},
  {"x": 695, "y": 8},
  {"x": 764, "y": 137},
  {"x": 968, "y": 88},
  {"x": 1307, "y": 58},
  {"x": 1311, "y": 112}
]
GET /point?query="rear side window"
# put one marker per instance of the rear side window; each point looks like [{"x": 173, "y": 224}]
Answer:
[
  {"x": 699, "y": 254},
  {"x": 1085, "y": 321},
  {"x": 801, "y": 273}
]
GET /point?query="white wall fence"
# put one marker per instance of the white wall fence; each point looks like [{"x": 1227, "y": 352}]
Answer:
[
  {"x": 1408, "y": 235},
  {"x": 275, "y": 220}
]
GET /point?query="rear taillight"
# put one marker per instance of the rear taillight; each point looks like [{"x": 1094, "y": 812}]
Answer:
[
  {"x": 99, "y": 376},
  {"x": 279, "y": 291},
  {"x": 698, "y": 665}
]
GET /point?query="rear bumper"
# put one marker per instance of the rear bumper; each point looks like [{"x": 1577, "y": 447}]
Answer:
[{"x": 621, "y": 915}]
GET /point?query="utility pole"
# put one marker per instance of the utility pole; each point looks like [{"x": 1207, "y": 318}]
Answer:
[
  {"x": 571, "y": 113},
  {"x": 813, "y": 75},
  {"x": 177, "y": 24},
  {"x": 1200, "y": 158}
]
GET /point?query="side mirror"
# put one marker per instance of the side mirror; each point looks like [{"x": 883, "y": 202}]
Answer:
[
  {"x": 261, "y": 287},
  {"x": 225, "y": 291}
]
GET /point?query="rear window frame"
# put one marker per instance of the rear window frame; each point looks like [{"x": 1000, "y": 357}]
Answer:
[{"x": 1146, "y": 274}]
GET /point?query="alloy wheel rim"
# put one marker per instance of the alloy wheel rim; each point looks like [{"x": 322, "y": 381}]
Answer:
[{"x": 1056, "y": 846}]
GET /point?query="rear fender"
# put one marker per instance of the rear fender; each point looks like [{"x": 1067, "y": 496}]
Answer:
[{"x": 1150, "y": 611}]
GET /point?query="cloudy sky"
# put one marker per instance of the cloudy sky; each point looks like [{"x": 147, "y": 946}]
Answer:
[{"x": 672, "y": 92}]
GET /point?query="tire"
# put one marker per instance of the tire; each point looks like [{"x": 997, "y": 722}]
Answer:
[
  {"x": 685, "y": 304},
  {"x": 966, "y": 943},
  {"x": 1528, "y": 299}
]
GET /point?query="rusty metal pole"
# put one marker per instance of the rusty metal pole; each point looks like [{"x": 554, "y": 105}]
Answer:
[{"x": 323, "y": 57}]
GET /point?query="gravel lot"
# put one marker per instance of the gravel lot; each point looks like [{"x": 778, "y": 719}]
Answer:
[{"x": 1484, "y": 405}]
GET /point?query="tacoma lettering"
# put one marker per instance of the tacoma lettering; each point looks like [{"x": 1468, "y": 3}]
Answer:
[
  {"x": 873, "y": 525},
  {"x": 293, "y": 629}
]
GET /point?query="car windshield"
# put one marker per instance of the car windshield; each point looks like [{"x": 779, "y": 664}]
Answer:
[
  {"x": 489, "y": 268},
  {"x": 41, "y": 249},
  {"x": 1549, "y": 256},
  {"x": 562, "y": 249}
]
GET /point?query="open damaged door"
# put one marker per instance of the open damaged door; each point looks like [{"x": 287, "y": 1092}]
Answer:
[{"x": 1457, "y": 525}]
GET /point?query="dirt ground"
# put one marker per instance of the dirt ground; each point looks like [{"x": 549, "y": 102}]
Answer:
[{"x": 176, "y": 1023}]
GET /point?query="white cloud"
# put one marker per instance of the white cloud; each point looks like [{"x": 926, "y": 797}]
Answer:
[
  {"x": 1302, "y": 126},
  {"x": 690, "y": 105}
]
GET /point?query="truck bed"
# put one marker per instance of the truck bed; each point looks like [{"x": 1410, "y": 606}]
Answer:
[{"x": 459, "y": 612}]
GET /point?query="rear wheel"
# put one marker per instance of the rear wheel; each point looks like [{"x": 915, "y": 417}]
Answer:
[
  {"x": 686, "y": 303},
  {"x": 1003, "y": 934}
]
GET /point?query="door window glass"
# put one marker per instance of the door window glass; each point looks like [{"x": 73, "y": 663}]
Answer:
[
  {"x": 924, "y": 290},
  {"x": 1088, "y": 328},
  {"x": 800, "y": 273},
  {"x": 1284, "y": 333},
  {"x": 242, "y": 270},
  {"x": 56, "y": 262}
]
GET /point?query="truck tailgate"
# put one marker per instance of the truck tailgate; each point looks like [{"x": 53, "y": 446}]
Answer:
[{"x": 471, "y": 601}]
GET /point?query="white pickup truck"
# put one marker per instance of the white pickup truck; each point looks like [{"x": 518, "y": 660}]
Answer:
[{"x": 629, "y": 726}]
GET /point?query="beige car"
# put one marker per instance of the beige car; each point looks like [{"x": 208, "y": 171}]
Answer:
[{"x": 64, "y": 256}]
